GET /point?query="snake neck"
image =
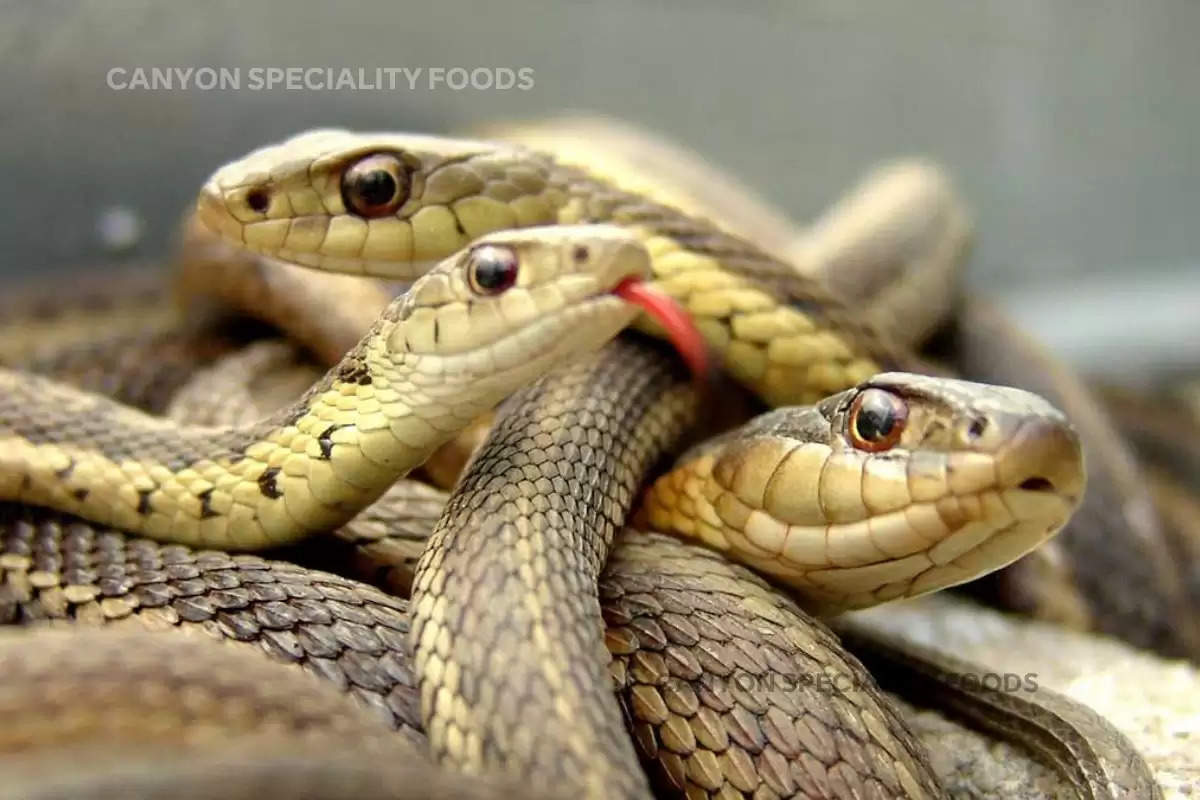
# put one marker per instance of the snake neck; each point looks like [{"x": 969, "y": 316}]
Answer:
[{"x": 507, "y": 631}]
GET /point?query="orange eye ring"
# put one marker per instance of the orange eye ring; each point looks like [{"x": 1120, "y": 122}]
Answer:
[
  {"x": 876, "y": 420},
  {"x": 492, "y": 269},
  {"x": 375, "y": 185}
]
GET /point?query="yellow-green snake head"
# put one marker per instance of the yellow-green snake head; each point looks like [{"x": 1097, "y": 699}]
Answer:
[
  {"x": 515, "y": 303},
  {"x": 900, "y": 486},
  {"x": 382, "y": 204}
]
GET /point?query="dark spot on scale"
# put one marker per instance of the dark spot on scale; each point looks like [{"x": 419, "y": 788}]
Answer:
[
  {"x": 266, "y": 483},
  {"x": 206, "y": 510},
  {"x": 580, "y": 253},
  {"x": 143, "y": 506},
  {"x": 80, "y": 494},
  {"x": 351, "y": 370},
  {"x": 977, "y": 427},
  {"x": 325, "y": 440},
  {"x": 66, "y": 471}
]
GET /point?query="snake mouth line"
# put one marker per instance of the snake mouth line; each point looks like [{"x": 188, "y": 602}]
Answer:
[
  {"x": 1020, "y": 506},
  {"x": 956, "y": 557},
  {"x": 970, "y": 542}
]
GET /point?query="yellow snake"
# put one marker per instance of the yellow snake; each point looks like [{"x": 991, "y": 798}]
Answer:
[
  {"x": 1007, "y": 465},
  {"x": 465, "y": 336}
]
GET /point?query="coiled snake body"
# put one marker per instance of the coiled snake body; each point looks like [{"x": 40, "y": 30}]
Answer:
[{"x": 521, "y": 525}]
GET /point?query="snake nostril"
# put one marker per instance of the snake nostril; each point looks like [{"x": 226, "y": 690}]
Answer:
[{"x": 1036, "y": 484}]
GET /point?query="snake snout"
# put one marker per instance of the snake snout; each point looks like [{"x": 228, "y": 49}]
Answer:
[
  {"x": 1044, "y": 456},
  {"x": 620, "y": 255},
  {"x": 214, "y": 214}
]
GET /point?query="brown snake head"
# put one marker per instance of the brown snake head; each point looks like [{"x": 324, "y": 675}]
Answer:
[
  {"x": 381, "y": 204},
  {"x": 900, "y": 486}
]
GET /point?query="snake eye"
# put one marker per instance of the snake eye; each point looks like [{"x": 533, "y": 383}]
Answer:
[
  {"x": 492, "y": 269},
  {"x": 375, "y": 186},
  {"x": 876, "y": 420}
]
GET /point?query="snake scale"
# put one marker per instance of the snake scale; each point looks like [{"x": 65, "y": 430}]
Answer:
[{"x": 697, "y": 773}]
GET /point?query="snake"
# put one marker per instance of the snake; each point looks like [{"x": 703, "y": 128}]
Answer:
[
  {"x": 737, "y": 324},
  {"x": 466, "y": 335}
]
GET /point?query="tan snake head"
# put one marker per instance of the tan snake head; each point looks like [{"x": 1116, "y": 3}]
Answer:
[
  {"x": 901, "y": 486},
  {"x": 516, "y": 302},
  {"x": 382, "y": 204}
]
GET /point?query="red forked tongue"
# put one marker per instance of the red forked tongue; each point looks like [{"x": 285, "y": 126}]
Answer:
[{"x": 680, "y": 328}]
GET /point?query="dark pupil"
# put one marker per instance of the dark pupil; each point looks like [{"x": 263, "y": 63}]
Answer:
[
  {"x": 377, "y": 187},
  {"x": 495, "y": 271},
  {"x": 876, "y": 418}
]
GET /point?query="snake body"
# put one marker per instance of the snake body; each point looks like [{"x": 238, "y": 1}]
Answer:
[
  {"x": 122, "y": 337},
  {"x": 146, "y": 715},
  {"x": 1084, "y": 746},
  {"x": 41, "y": 322},
  {"x": 212, "y": 272},
  {"x": 784, "y": 351}
]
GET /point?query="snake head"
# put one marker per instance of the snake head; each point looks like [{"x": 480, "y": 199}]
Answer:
[
  {"x": 900, "y": 486},
  {"x": 1024, "y": 442},
  {"x": 380, "y": 204},
  {"x": 515, "y": 302}
]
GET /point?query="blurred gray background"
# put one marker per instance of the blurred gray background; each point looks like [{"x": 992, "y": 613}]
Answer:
[{"x": 1071, "y": 127}]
